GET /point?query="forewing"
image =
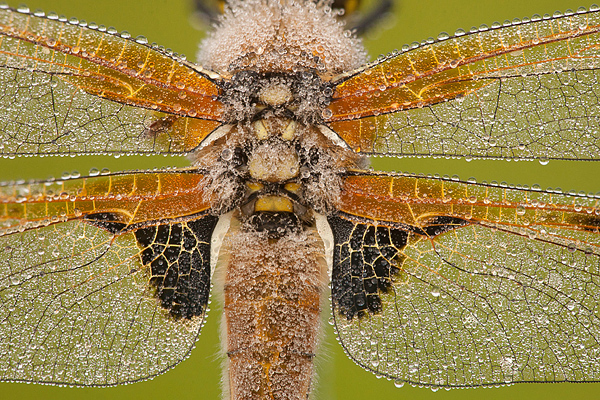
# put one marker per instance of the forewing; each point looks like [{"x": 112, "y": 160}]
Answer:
[
  {"x": 454, "y": 284},
  {"x": 103, "y": 280},
  {"x": 69, "y": 89},
  {"x": 524, "y": 90}
]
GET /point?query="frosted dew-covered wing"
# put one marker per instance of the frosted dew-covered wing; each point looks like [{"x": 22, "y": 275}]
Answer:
[
  {"x": 69, "y": 89},
  {"x": 454, "y": 284},
  {"x": 527, "y": 89},
  {"x": 103, "y": 280}
]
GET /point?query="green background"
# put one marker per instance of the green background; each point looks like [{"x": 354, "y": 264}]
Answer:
[{"x": 169, "y": 24}]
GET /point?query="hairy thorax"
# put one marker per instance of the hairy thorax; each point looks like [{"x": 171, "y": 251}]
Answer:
[{"x": 274, "y": 156}]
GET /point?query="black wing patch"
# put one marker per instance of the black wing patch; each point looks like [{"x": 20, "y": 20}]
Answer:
[
  {"x": 366, "y": 257},
  {"x": 106, "y": 220},
  {"x": 178, "y": 255}
]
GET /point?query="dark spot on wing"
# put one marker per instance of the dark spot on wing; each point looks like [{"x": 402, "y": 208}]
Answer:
[
  {"x": 178, "y": 255},
  {"x": 442, "y": 224},
  {"x": 106, "y": 220},
  {"x": 590, "y": 223},
  {"x": 365, "y": 259}
]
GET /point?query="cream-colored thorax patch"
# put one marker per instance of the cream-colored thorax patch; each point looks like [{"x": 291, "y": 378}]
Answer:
[
  {"x": 274, "y": 162},
  {"x": 280, "y": 36},
  {"x": 275, "y": 94}
]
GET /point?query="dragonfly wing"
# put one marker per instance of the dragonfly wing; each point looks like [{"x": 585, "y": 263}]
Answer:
[
  {"x": 525, "y": 90},
  {"x": 94, "y": 289},
  {"x": 460, "y": 284},
  {"x": 69, "y": 89}
]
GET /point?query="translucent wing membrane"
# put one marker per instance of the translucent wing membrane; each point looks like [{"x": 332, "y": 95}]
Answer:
[
  {"x": 69, "y": 89},
  {"x": 446, "y": 283},
  {"x": 527, "y": 90},
  {"x": 103, "y": 280}
]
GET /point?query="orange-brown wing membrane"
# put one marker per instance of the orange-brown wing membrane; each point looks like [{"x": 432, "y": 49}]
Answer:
[
  {"x": 430, "y": 274},
  {"x": 414, "y": 201},
  {"x": 103, "y": 280},
  {"x": 524, "y": 90},
  {"x": 131, "y": 198},
  {"x": 70, "y": 89}
]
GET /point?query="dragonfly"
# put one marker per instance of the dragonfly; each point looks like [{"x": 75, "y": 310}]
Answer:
[{"x": 440, "y": 293}]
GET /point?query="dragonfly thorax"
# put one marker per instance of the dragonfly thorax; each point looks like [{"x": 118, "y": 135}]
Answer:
[
  {"x": 275, "y": 171},
  {"x": 250, "y": 96},
  {"x": 273, "y": 137}
]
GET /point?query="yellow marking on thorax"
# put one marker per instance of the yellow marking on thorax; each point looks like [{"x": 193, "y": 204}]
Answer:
[
  {"x": 260, "y": 130},
  {"x": 290, "y": 131},
  {"x": 274, "y": 203},
  {"x": 254, "y": 186},
  {"x": 293, "y": 187},
  {"x": 284, "y": 128}
]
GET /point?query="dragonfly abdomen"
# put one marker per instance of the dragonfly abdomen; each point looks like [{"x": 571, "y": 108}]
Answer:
[{"x": 272, "y": 291}]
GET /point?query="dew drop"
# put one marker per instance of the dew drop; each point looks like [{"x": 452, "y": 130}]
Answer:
[
  {"x": 227, "y": 154},
  {"x": 141, "y": 39},
  {"x": 304, "y": 172},
  {"x": 443, "y": 36},
  {"x": 327, "y": 113}
]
